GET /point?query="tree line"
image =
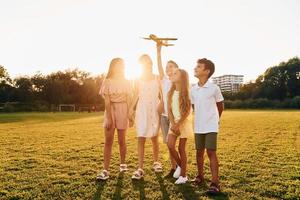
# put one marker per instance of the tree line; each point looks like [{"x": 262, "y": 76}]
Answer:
[
  {"x": 277, "y": 87},
  {"x": 45, "y": 92}
]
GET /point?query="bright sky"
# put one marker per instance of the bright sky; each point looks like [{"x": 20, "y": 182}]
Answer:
[{"x": 240, "y": 36}]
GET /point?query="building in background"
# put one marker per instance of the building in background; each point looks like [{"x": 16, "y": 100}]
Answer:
[{"x": 229, "y": 83}]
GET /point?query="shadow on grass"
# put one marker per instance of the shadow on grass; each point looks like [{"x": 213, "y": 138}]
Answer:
[
  {"x": 100, "y": 185},
  {"x": 188, "y": 191},
  {"x": 140, "y": 186},
  {"x": 163, "y": 190},
  {"x": 202, "y": 191},
  {"x": 119, "y": 185}
]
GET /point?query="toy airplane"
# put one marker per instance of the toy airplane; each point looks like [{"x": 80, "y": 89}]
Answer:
[{"x": 162, "y": 41}]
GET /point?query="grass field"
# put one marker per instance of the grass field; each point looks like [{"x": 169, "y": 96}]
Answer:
[{"x": 57, "y": 156}]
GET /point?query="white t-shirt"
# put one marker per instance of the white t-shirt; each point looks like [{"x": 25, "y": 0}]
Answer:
[
  {"x": 206, "y": 112},
  {"x": 166, "y": 86}
]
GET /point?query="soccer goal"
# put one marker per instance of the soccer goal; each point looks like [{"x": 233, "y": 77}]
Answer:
[{"x": 66, "y": 107}]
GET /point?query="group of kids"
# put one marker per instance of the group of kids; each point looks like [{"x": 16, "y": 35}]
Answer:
[{"x": 167, "y": 102}]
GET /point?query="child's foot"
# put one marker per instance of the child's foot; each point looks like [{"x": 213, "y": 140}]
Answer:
[
  {"x": 138, "y": 174},
  {"x": 157, "y": 167},
  {"x": 214, "y": 189},
  {"x": 181, "y": 180},
  {"x": 170, "y": 174},
  {"x": 123, "y": 168},
  {"x": 104, "y": 175},
  {"x": 177, "y": 172},
  {"x": 198, "y": 180}
]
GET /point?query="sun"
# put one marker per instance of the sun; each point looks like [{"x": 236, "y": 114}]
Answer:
[{"x": 132, "y": 70}]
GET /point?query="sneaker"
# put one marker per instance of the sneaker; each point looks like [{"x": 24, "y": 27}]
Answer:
[
  {"x": 123, "y": 168},
  {"x": 181, "y": 180},
  {"x": 170, "y": 174},
  {"x": 104, "y": 175},
  {"x": 157, "y": 167},
  {"x": 214, "y": 189},
  {"x": 198, "y": 180},
  {"x": 138, "y": 174},
  {"x": 177, "y": 172}
]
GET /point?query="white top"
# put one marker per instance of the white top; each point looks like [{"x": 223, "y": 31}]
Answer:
[
  {"x": 175, "y": 106},
  {"x": 166, "y": 86},
  {"x": 206, "y": 112}
]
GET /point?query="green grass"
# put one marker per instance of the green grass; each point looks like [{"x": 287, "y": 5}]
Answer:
[{"x": 57, "y": 156}]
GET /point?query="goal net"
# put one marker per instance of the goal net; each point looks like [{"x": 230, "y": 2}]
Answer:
[{"x": 66, "y": 107}]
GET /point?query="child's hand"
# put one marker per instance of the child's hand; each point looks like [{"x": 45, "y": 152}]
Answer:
[
  {"x": 131, "y": 122},
  {"x": 109, "y": 123},
  {"x": 175, "y": 128}
]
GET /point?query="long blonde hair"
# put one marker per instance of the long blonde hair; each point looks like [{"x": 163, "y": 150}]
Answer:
[
  {"x": 115, "y": 63},
  {"x": 184, "y": 97}
]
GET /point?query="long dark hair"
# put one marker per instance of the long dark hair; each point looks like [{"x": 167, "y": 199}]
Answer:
[{"x": 114, "y": 64}]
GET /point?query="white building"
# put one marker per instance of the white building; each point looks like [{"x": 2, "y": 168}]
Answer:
[{"x": 229, "y": 83}]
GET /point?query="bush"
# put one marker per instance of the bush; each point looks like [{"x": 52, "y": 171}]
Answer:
[{"x": 263, "y": 103}]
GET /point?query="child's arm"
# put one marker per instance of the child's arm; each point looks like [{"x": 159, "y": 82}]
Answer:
[
  {"x": 219, "y": 100},
  {"x": 108, "y": 111},
  {"x": 220, "y": 106},
  {"x": 133, "y": 103},
  {"x": 159, "y": 63},
  {"x": 183, "y": 118}
]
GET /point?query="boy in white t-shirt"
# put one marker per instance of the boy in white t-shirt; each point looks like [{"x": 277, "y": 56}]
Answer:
[
  {"x": 208, "y": 106},
  {"x": 166, "y": 85}
]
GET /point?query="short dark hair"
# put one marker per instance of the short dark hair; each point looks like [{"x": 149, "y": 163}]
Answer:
[{"x": 208, "y": 64}]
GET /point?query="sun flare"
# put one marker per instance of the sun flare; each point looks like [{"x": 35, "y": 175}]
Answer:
[{"x": 132, "y": 70}]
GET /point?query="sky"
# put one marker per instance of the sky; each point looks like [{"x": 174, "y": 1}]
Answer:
[{"x": 239, "y": 36}]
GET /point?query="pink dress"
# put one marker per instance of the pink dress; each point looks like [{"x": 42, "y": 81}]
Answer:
[
  {"x": 118, "y": 92},
  {"x": 147, "y": 117}
]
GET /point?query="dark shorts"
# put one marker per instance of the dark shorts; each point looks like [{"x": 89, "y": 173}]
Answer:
[{"x": 206, "y": 141}]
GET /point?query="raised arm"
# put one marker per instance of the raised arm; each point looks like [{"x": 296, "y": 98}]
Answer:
[{"x": 159, "y": 63}]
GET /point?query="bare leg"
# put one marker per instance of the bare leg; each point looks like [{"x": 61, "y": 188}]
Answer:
[
  {"x": 183, "y": 158},
  {"x": 122, "y": 145},
  {"x": 200, "y": 162},
  {"x": 214, "y": 165},
  {"x": 155, "y": 147},
  {"x": 109, "y": 139},
  {"x": 172, "y": 149},
  {"x": 141, "y": 150},
  {"x": 172, "y": 160}
]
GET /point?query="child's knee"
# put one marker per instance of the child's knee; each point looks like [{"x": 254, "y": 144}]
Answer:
[
  {"x": 122, "y": 143},
  {"x": 200, "y": 152},
  {"x": 108, "y": 143},
  {"x": 211, "y": 153},
  {"x": 171, "y": 146}
]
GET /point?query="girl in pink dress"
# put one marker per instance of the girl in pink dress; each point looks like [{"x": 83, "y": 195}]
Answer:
[
  {"x": 116, "y": 91},
  {"x": 147, "y": 92}
]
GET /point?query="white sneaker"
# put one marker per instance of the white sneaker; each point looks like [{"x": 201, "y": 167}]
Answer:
[
  {"x": 177, "y": 172},
  {"x": 123, "y": 168},
  {"x": 181, "y": 180},
  {"x": 103, "y": 175}
]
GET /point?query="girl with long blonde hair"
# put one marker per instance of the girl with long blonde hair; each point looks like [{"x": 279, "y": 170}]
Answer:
[{"x": 179, "y": 109}]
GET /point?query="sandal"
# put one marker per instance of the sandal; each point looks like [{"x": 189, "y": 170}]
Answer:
[
  {"x": 123, "y": 168},
  {"x": 214, "y": 189},
  {"x": 157, "y": 167},
  {"x": 138, "y": 174},
  {"x": 198, "y": 180},
  {"x": 103, "y": 175}
]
